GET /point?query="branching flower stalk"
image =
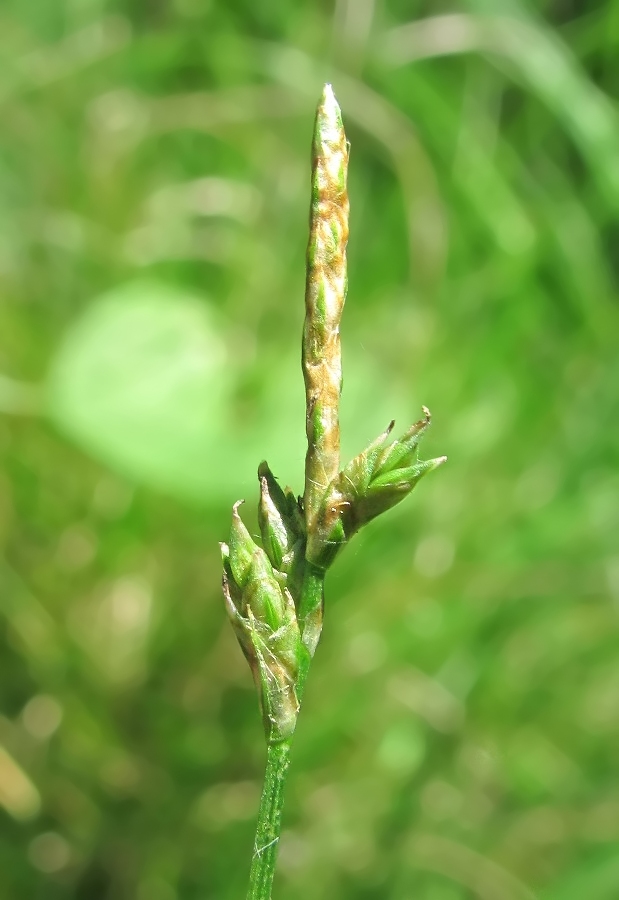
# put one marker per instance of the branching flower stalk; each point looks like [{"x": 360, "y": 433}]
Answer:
[{"x": 274, "y": 593}]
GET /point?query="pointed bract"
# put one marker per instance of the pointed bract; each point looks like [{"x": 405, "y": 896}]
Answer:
[
  {"x": 280, "y": 519},
  {"x": 403, "y": 452},
  {"x": 241, "y": 547}
]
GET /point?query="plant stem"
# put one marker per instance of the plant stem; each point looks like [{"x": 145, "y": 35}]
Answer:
[
  {"x": 311, "y": 605},
  {"x": 269, "y": 822},
  {"x": 274, "y": 594},
  {"x": 322, "y": 370}
]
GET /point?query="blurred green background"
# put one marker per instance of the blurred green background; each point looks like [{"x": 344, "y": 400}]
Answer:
[{"x": 460, "y": 733}]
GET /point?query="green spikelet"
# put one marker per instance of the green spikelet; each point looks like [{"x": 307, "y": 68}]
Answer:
[
  {"x": 263, "y": 615},
  {"x": 369, "y": 485}
]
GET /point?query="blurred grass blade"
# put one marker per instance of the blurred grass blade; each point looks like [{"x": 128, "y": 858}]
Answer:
[
  {"x": 538, "y": 58},
  {"x": 18, "y": 795}
]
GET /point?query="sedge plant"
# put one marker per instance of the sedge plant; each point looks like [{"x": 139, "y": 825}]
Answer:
[{"x": 274, "y": 593}]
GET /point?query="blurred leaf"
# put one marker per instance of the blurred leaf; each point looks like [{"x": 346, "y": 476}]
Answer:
[{"x": 139, "y": 382}]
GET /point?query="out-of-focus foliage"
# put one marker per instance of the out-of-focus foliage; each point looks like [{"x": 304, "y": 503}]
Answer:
[{"x": 460, "y": 735}]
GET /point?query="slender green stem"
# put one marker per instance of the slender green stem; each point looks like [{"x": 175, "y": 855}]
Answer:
[
  {"x": 268, "y": 829},
  {"x": 269, "y": 825},
  {"x": 311, "y": 605}
]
